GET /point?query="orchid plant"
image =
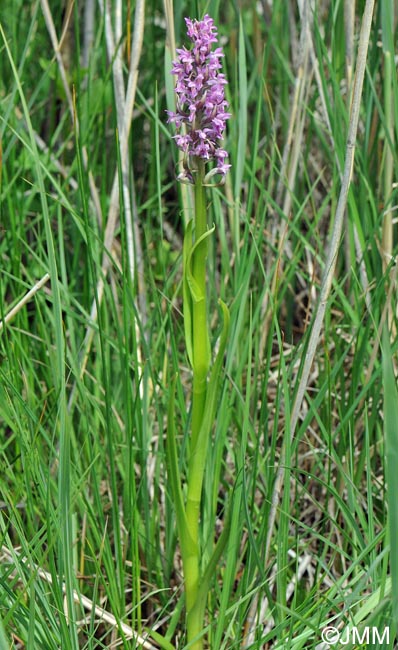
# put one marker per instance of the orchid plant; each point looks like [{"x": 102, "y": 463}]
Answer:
[{"x": 200, "y": 119}]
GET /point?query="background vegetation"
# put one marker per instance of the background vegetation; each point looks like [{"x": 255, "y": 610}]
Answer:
[{"x": 90, "y": 207}]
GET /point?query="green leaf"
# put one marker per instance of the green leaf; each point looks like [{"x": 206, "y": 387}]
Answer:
[
  {"x": 198, "y": 455},
  {"x": 196, "y": 292},
  {"x": 160, "y": 640},
  {"x": 4, "y": 643},
  {"x": 212, "y": 394},
  {"x": 391, "y": 442},
  {"x": 242, "y": 111},
  {"x": 191, "y": 290},
  {"x": 208, "y": 575}
]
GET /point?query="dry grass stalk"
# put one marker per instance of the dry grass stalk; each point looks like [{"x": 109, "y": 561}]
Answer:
[
  {"x": 101, "y": 614},
  {"x": 28, "y": 296}
]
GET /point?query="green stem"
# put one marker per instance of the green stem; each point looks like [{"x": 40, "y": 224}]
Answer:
[
  {"x": 201, "y": 363},
  {"x": 200, "y": 336}
]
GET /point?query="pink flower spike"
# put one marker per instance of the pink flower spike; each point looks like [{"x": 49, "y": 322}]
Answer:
[{"x": 201, "y": 104}]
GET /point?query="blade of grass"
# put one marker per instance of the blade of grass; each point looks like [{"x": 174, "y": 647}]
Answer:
[
  {"x": 391, "y": 443},
  {"x": 66, "y": 541},
  {"x": 242, "y": 136},
  {"x": 333, "y": 249}
]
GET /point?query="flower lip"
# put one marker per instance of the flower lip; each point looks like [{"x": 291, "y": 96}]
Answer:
[{"x": 201, "y": 104}]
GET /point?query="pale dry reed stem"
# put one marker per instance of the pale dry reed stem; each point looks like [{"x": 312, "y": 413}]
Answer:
[
  {"x": 126, "y": 111},
  {"x": 28, "y": 296},
  {"x": 113, "y": 212},
  {"x": 326, "y": 285},
  {"x": 57, "y": 51},
  {"x": 133, "y": 240},
  {"x": 115, "y": 55},
  {"x": 349, "y": 28},
  {"x": 88, "y": 31}
]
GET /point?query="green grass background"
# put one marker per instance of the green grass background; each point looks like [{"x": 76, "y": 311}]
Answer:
[{"x": 86, "y": 517}]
